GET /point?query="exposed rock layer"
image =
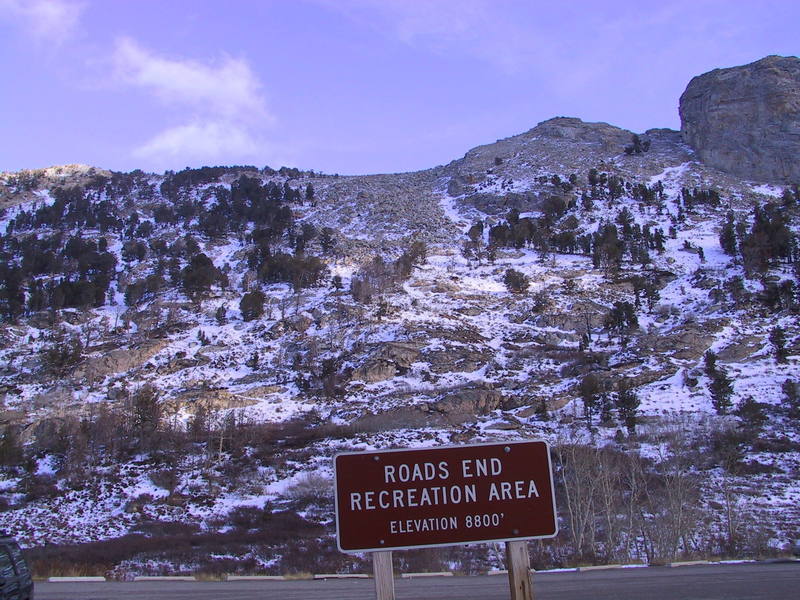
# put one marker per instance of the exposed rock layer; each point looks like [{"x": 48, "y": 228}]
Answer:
[{"x": 746, "y": 120}]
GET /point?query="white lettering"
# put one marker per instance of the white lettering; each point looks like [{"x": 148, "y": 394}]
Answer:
[
  {"x": 518, "y": 488},
  {"x": 404, "y": 472},
  {"x": 425, "y": 497},
  {"x": 505, "y": 486},
  {"x": 471, "y": 493},
  {"x": 419, "y": 496},
  {"x": 455, "y": 494},
  {"x": 481, "y": 467},
  {"x": 493, "y": 495},
  {"x": 430, "y": 524}
]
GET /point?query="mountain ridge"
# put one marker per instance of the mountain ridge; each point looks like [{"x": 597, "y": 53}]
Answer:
[{"x": 181, "y": 354}]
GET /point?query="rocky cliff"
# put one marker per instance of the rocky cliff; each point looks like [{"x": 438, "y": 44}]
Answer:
[{"x": 746, "y": 120}]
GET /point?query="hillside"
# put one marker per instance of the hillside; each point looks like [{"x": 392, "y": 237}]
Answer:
[{"x": 182, "y": 354}]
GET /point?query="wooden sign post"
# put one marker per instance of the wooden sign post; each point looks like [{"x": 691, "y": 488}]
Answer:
[
  {"x": 518, "y": 562},
  {"x": 384, "y": 575}
]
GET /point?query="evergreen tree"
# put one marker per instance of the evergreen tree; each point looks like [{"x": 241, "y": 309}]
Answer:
[
  {"x": 727, "y": 237},
  {"x": 327, "y": 240},
  {"x": 791, "y": 398},
  {"x": 515, "y": 281},
  {"x": 589, "y": 389},
  {"x": 751, "y": 414},
  {"x": 63, "y": 354},
  {"x": 11, "y": 452},
  {"x": 12, "y": 297},
  {"x": 721, "y": 386},
  {"x": 198, "y": 276},
  {"x": 252, "y": 305},
  {"x": 627, "y": 405},
  {"x": 721, "y": 391},
  {"x": 622, "y": 318},
  {"x": 777, "y": 337}
]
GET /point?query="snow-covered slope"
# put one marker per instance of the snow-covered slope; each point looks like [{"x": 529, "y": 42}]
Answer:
[{"x": 174, "y": 406}]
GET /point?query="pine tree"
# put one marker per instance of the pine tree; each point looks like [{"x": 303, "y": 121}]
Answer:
[
  {"x": 11, "y": 452},
  {"x": 710, "y": 363},
  {"x": 777, "y": 337},
  {"x": 721, "y": 386},
  {"x": 727, "y": 237},
  {"x": 791, "y": 398},
  {"x": 721, "y": 392},
  {"x": 252, "y": 305},
  {"x": 589, "y": 389},
  {"x": 627, "y": 405},
  {"x": 515, "y": 281},
  {"x": 752, "y": 415}
]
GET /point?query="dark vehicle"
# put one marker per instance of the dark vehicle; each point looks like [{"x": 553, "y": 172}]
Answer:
[{"x": 15, "y": 577}]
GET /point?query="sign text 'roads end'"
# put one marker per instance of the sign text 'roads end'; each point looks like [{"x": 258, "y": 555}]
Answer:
[{"x": 442, "y": 496}]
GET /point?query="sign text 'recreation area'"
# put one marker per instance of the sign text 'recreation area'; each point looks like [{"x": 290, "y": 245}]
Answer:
[{"x": 441, "y": 496}]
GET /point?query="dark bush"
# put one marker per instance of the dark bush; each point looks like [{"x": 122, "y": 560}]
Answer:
[
  {"x": 515, "y": 281},
  {"x": 252, "y": 305}
]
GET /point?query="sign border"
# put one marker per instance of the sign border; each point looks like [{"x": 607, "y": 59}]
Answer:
[{"x": 447, "y": 447}]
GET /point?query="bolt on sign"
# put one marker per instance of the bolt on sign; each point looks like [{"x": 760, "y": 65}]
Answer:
[{"x": 395, "y": 499}]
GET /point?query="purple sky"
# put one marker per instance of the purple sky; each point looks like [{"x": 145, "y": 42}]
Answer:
[{"x": 348, "y": 86}]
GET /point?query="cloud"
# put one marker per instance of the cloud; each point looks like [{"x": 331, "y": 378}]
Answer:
[
  {"x": 229, "y": 89},
  {"x": 48, "y": 21},
  {"x": 217, "y": 141},
  {"x": 222, "y": 102}
]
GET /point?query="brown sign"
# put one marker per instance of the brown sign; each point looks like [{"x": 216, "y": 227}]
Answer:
[{"x": 441, "y": 496}]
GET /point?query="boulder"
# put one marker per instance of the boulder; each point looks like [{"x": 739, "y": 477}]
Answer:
[
  {"x": 375, "y": 370},
  {"x": 118, "y": 361},
  {"x": 746, "y": 120},
  {"x": 457, "y": 186},
  {"x": 450, "y": 408},
  {"x": 219, "y": 399},
  {"x": 465, "y": 404},
  {"x": 741, "y": 348},
  {"x": 458, "y": 359},
  {"x": 386, "y": 361}
]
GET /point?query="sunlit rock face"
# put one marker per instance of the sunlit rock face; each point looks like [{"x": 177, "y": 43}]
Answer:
[{"x": 746, "y": 120}]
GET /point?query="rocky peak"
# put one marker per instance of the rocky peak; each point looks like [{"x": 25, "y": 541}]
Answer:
[
  {"x": 746, "y": 120},
  {"x": 576, "y": 130}
]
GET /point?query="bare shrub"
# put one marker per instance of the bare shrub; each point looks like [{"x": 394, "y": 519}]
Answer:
[{"x": 311, "y": 486}]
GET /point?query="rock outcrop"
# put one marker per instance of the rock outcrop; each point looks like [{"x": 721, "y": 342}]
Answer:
[
  {"x": 386, "y": 361},
  {"x": 746, "y": 120}
]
